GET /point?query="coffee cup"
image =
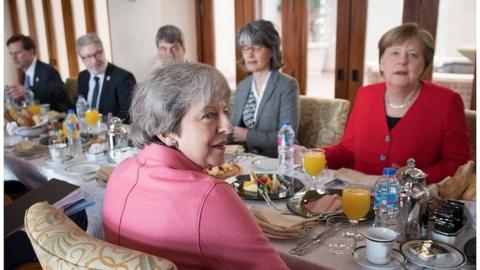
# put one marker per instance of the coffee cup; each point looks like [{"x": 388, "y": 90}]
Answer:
[
  {"x": 58, "y": 149},
  {"x": 380, "y": 244}
]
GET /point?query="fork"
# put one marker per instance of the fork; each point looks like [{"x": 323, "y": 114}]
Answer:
[
  {"x": 308, "y": 245},
  {"x": 268, "y": 200}
]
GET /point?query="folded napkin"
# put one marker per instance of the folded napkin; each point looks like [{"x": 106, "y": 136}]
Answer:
[
  {"x": 104, "y": 173},
  {"x": 277, "y": 225},
  {"x": 356, "y": 177},
  {"x": 234, "y": 149}
]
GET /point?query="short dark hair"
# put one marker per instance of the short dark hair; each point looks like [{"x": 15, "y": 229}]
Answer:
[
  {"x": 27, "y": 42},
  {"x": 171, "y": 34},
  {"x": 262, "y": 32}
]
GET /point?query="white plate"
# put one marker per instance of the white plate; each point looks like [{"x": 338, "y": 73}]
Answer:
[
  {"x": 265, "y": 164},
  {"x": 31, "y": 131},
  {"x": 360, "y": 257},
  {"x": 83, "y": 168},
  {"x": 51, "y": 162},
  {"x": 452, "y": 260}
]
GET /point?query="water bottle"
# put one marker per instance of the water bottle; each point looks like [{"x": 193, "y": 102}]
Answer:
[
  {"x": 73, "y": 133},
  {"x": 286, "y": 140},
  {"x": 386, "y": 202},
  {"x": 82, "y": 107}
]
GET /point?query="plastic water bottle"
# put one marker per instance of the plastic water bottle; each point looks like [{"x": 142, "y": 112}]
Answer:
[
  {"x": 286, "y": 140},
  {"x": 73, "y": 133},
  {"x": 82, "y": 107},
  {"x": 386, "y": 202}
]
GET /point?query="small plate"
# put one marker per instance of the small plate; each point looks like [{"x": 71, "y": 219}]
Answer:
[
  {"x": 452, "y": 260},
  {"x": 360, "y": 257},
  {"x": 265, "y": 164},
  {"x": 66, "y": 160},
  {"x": 83, "y": 168},
  {"x": 293, "y": 203},
  {"x": 292, "y": 185}
]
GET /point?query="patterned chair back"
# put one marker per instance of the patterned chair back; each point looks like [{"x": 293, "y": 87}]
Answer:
[
  {"x": 61, "y": 244},
  {"x": 71, "y": 84},
  {"x": 471, "y": 117},
  {"x": 322, "y": 121}
]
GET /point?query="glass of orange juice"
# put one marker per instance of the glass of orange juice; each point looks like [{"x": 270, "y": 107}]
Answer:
[
  {"x": 34, "y": 107},
  {"x": 314, "y": 164},
  {"x": 355, "y": 205},
  {"x": 91, "y": 117}
]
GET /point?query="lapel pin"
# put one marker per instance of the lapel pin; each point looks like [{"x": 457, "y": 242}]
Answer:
[
  {"x": 108, "y": 78},
  {"x": 37, "y": 79}
]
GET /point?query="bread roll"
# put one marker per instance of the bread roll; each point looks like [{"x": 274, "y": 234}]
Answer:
[
  {"x": 454, "y": 187},
  {"x": 471, "y": 191}
]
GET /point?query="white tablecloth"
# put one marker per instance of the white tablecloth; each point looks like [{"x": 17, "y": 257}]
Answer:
[{"x": 319, "y": 259}]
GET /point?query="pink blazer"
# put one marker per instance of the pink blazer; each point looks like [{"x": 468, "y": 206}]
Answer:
[
  {"x": 162, "y": 203},
  {"x": 433, "y": 132}
]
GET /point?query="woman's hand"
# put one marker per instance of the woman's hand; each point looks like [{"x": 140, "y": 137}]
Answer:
[{"x": 240, "y": 134}]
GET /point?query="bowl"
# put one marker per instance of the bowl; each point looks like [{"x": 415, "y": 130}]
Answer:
[{"x": 95, "y": 156}]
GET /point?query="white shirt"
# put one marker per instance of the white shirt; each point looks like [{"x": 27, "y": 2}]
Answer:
[
  {"x": 30, "y": 72},
  {"x": 91, "y": 86},
  {"x": 258, "y": 96}
]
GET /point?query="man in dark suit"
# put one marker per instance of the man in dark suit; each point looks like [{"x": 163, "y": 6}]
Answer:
[
  {"x": 41, "y": 78},
  {"x": 105, "y": 86}
]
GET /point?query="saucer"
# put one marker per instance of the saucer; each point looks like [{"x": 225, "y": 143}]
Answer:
[
  {"x": 265, "y": 164},
  {"x": 66, "y": 160},
  {"x": 83, "y": 168},
  {"x": 453, "y": 260},
  {"x": 360, "y": 256}
]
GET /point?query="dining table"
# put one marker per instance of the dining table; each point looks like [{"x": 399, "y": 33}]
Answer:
[{"x": 41, "y": 170}]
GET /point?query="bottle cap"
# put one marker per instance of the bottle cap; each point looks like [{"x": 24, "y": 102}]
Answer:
[
  {"x": 389, "y": 171},
  {"x": 286, "y": 123}
]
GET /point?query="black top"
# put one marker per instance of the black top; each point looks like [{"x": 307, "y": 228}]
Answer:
[{"x": 392, "y": 121}]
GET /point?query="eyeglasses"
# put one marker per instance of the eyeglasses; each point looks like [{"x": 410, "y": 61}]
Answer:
[
  {"x": 95, "y": 55},
  {"x": 254, "y": 48}
]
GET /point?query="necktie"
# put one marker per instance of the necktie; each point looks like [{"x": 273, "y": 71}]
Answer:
[
  {"x": 249, "y": 111},
  {"x": 96, "y": 88},
  {"x": 26, "y": 82}
]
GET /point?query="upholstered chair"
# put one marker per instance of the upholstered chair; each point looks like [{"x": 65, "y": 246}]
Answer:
[
  {"x": 471, "y": 117},
  {"x": 71, "y": 84},
  {"x": 60, "y": 244},
  {"x": 322, "y": 121}
]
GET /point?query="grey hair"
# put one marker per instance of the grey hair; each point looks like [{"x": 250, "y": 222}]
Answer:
[
  {"x": 262, "y": 32},
  {"x": 89, "y": 38},
  {"x": 170, "y": 34},
  {"x": 160, "y": 102}
]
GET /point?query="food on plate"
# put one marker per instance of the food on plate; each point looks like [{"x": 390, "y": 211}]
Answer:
[
  {"x": 454, "y": 187},
  {"x": 24, "y": 118},
  {"x": 224, "y": 170},
  {"x": 428, "y": 250},
  {"x": 326, "y": 204},
  {"x": 270, "y": 185}
]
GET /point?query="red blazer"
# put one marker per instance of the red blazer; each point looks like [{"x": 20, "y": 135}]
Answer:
[{"x": 433, "y": 132}]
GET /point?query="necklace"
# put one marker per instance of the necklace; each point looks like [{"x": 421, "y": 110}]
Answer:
[{"x": 401, "y": 106}]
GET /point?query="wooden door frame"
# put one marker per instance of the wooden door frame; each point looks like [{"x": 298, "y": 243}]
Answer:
[
  {"x": 245, "y": 11},
  {"x": 205, "y": 31}
]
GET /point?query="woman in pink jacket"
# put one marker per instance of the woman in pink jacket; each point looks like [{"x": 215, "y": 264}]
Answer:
[{"x": 161, "y": 201}]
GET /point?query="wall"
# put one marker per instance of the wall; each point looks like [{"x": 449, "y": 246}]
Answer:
[
  {"x": 134, "y": 23},
  {"x": 9, "y": 70}
]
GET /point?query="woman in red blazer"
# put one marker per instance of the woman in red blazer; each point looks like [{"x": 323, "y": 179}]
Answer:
[{"x": 404, "y": 117}]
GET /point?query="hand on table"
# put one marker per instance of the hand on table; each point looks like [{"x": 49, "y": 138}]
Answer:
[{"x": 15, "y": 91}]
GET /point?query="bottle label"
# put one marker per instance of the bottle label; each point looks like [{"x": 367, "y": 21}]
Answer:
[{"x": 391, "y": 200}]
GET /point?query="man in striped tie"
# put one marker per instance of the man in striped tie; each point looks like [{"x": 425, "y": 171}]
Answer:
[{"x": 42, "y": 79}]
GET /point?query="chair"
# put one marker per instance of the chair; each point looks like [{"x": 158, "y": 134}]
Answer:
[
  {"x": 471, "y": 117},
  {"x": 71, "y": 84},
  {"x": 60, "y": 244},
  {"x": 322, "y": 121}
]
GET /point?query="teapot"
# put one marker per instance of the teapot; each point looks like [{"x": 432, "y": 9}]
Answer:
[
  {"x": 414, "y": 200},
  {"x": 117, "y": 137}
]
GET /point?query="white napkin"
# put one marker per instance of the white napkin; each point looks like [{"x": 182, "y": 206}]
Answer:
[
  {"x": 278, "y": 225},
  {"x": 356, "y": 177},
  {"x": 11, "y": 127}
]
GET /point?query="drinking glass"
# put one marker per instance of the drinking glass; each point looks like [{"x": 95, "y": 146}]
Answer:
[
  {"x": 337, "y": 238},
  {"x": 34, "y": 107},
  {"x": 314, "y": 164},
  {"x": 91, "y": 117},
  {"x": 355, "y": 205}
]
